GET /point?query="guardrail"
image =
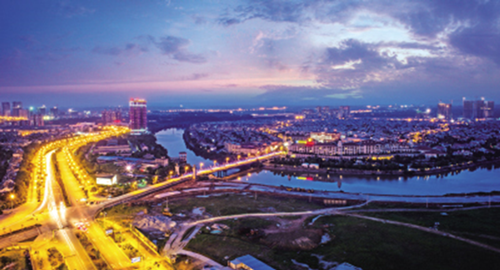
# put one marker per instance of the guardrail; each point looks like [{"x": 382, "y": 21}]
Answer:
[
  {"x": 21, "y": 230},
  {"x": 144, "y": 239}
]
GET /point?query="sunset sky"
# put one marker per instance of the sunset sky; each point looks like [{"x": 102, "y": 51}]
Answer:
[{"x": 248, "y": 53}]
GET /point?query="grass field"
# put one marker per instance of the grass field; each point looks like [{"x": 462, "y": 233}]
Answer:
[
  {"x": 229, "y": 204},
  {"x": 366, "y": 244},
  {"x": 482, "y": 225},
  {"x": 15, "y": 259},
  {"x": 123, "y": 210}
]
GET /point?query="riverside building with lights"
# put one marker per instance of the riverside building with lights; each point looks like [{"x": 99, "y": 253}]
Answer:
[{"x": 138, "y": 116}]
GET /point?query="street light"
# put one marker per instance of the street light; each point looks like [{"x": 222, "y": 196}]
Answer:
[
  {"x": 201, "y": 165},
  {"x": 227, "y": 160},
  {"x": 12, "y": 196}
]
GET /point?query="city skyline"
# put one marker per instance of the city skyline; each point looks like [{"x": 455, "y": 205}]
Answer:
[
  {"x": 283, "y": 53},
  {"x": 249, "y": 134}
]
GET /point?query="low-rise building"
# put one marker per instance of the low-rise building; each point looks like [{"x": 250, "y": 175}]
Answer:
[
  {"x": 247, "y": 149},
  {"x": 248, "y": 262},
  {"x": 162, "y": 161},
  {"x": 106, "y": 179},
  {"x": 325, "y": 137},
  {"x": 112, "y": 146},
  {"x": 350, "y": 148}
]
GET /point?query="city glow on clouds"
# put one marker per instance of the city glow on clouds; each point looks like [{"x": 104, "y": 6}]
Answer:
[{"x": 268, "y": 51}]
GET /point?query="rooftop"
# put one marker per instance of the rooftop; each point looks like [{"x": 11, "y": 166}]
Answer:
[{"x": 251, "y": 262}]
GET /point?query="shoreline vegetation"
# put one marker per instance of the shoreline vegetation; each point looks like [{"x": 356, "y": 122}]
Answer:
[
  {"x": 275, "y": 166},
  {"x": 443, "y": 170}
]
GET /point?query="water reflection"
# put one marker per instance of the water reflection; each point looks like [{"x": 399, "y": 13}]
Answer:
[
  {"x": 481, "y": 180},
  {"x": 484, "y": 179},
  {"x": 172, "y": 140}
]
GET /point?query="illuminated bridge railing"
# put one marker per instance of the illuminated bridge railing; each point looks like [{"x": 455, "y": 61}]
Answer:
[{"x": 180, "y": 179}]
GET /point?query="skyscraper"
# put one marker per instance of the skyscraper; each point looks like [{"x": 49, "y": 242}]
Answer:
[
  {"x": 6, "y": 109},
  {"x": 489, "y": 109},
  {"x": 468, "y": 108},
  {"x": 111, "y": 116},
  {"x": 477, "y": 109},
  {"x": 138, "y": 115},
  {"x": 42, "y": 110},
  {"x": 54, "y": 111},
  {"x": 24, "y": 113},
  {"x": 37, "y": 120},
  {"x": 444, "y": 111},
  {"x": 17, "y": 106},
  {"x": 474, "y": 109}
]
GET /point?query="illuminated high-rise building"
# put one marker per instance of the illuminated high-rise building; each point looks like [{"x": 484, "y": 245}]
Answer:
[
  {"x": 17, "y": 106},
  {"x": 477, "y": 109},
  {"x": 111, "y": 116},
  {"x": 474, "y": 109},
  {"x": 468, "y": 108},
  {"x": 37, "y": 120},
  {"x": 6, "y": 109},
  {"x": 54, "y": 111},
  {"x": 138, "y": 115},
  {"x": 489, "y": 109},
  {"x": 42, "y": 110},
  {"x": 444, "y": 110},
  {"x": 24, "y": 113}
]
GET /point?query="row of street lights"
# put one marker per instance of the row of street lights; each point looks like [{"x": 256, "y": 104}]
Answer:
[
  {"x": 39, "y": 174},
  {"x": 80, "y": 173}
]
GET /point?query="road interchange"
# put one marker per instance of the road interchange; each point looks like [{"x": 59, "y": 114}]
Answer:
[{"x": 47, "y": 212}]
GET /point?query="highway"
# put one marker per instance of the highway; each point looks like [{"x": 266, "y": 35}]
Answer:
[
  {"x": 53, "y": 214},
  {"x": 110, "y": 250},
  {"x": 46, "y": 206},
  {"x": 58, "y": 221},
  {"x": 177, "y": 180},
  {"x": 75, "y": 255},
  {"x": 27, "y": 214}
]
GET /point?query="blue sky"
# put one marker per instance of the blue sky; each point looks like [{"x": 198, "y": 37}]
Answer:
[{"x": 249, "y": 53}]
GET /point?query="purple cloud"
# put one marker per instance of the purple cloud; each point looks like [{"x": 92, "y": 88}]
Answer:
[
  {"x": 130, "y": 49},
  {"x": 176, "y": 47}
]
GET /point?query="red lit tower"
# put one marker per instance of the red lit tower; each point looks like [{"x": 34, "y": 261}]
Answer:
[{"x": 138, "y": 115}]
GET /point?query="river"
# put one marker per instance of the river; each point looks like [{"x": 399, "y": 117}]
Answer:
[
  {"x": 480, "y": 180},
  {"x": 172, "y": 140}
]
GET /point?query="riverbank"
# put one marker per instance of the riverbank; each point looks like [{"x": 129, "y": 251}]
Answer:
[
  {"x": 353, "y": 180},
  {"x": 204, "y": 189},
  {"x": 342, "y": 171},
  {"x": 199, "y": 151},
  {"x": 172, "y": 139},
  {"x": 281, "y": 168}
]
